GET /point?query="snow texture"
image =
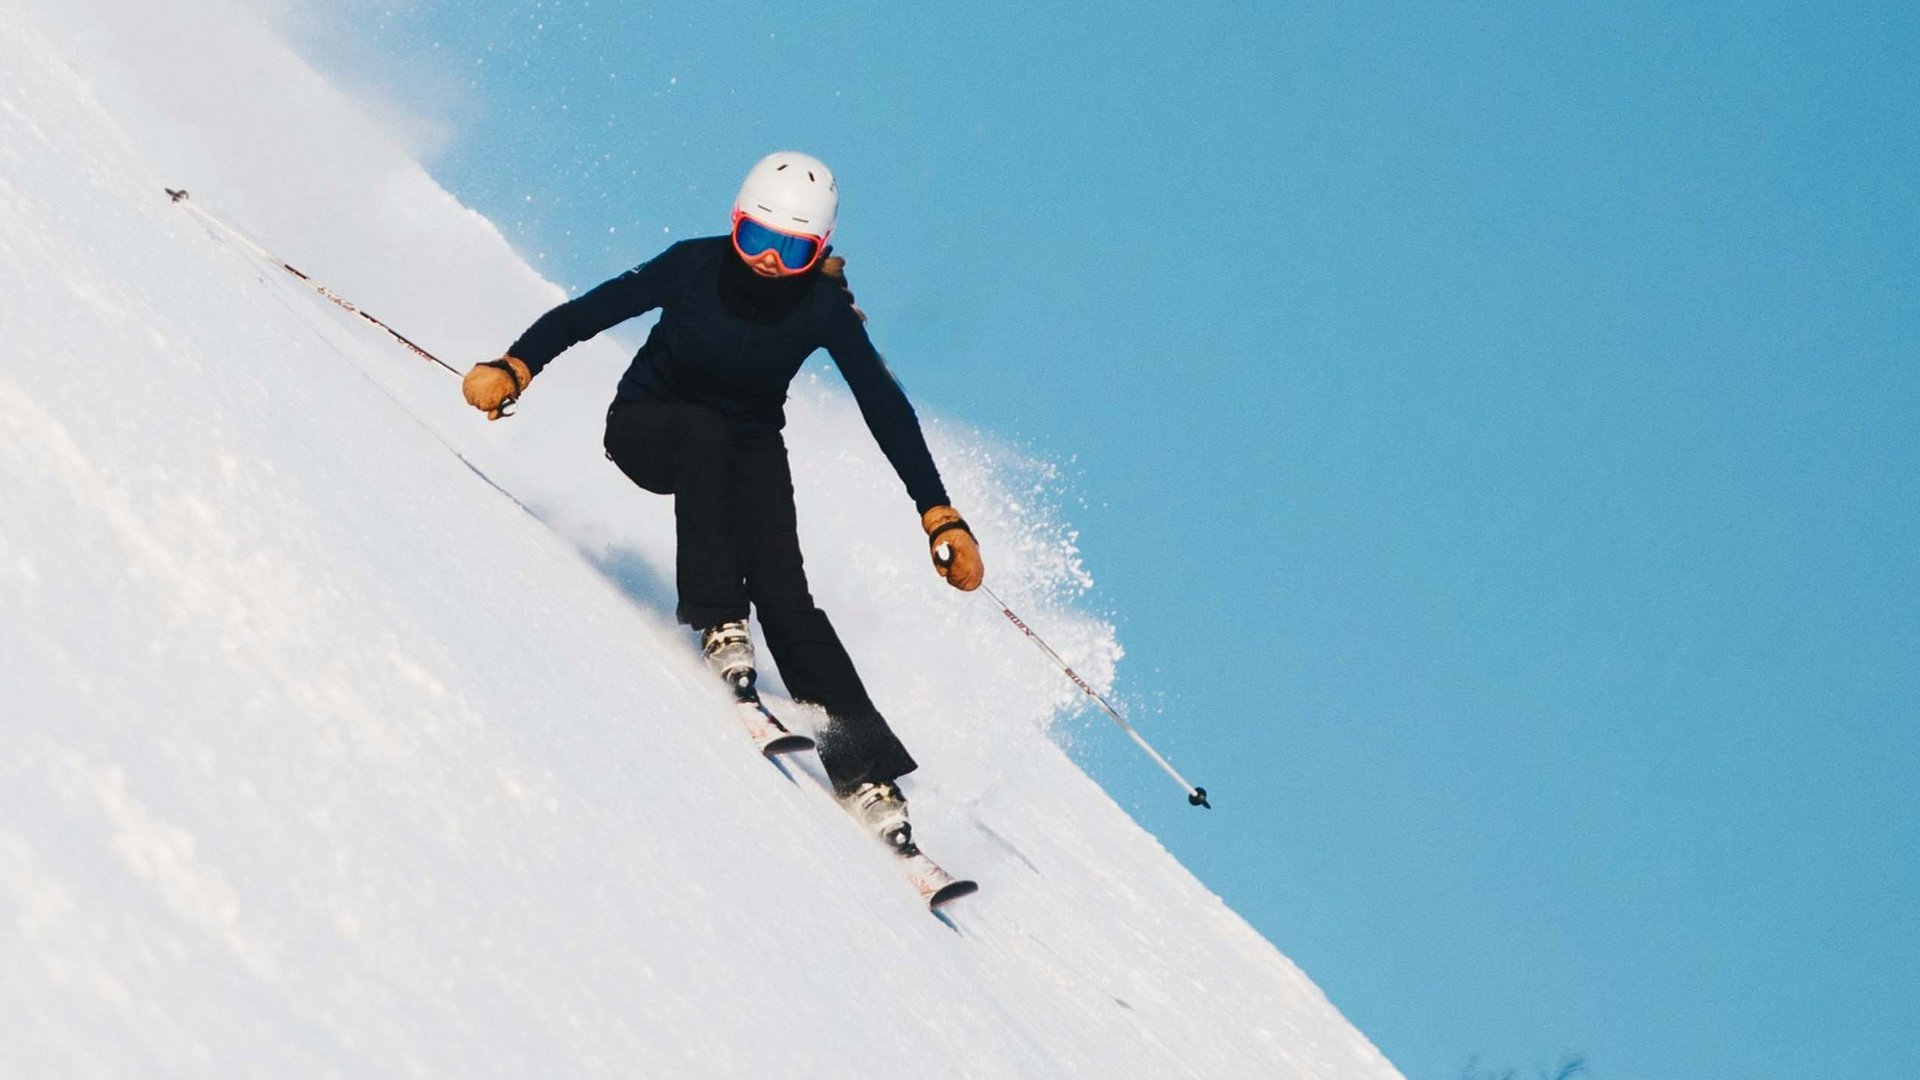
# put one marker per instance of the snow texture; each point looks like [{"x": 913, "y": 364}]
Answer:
[{"x": 347, "y": 734}]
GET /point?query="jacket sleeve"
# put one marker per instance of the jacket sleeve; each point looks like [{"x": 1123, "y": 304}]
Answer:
[
  {"x": 635, "y": 292},
  {"x": 883, "y": 404}
]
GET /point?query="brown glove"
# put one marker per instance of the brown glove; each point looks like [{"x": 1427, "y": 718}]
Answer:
[
  {"x": 960, "y": 564},
  {"x": 495, "y": 384}
]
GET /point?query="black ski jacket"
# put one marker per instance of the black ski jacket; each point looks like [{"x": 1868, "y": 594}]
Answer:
[{"x": 732, "y": 340}]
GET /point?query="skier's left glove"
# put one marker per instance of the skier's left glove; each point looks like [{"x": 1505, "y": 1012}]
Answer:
[
  {"x": 496, "y": 384},
  {"x": 956, "y": 555}
]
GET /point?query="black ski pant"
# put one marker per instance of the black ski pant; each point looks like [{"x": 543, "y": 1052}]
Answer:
[{"x": 737, "y": 543}]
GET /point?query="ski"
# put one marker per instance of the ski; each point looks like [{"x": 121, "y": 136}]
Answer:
[
  {"x": 881, "y": 809},
  {"x": 937, "y": 887},
  {"x": 772, "y": 737}
]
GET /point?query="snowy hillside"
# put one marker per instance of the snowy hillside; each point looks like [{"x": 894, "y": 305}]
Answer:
[{"x": 347, "y": 734}]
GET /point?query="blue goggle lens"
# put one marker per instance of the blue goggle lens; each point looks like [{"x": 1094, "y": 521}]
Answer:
[{"x": 795, "y": 252}]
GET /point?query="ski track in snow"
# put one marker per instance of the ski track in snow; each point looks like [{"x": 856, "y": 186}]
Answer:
[{"x": 347, "y": 734}]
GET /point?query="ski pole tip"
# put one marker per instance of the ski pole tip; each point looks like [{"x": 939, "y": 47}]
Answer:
[{"x": 1198, "y": 797}]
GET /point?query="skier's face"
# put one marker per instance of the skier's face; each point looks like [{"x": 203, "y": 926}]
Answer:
[{"x": 766, "y": 264}]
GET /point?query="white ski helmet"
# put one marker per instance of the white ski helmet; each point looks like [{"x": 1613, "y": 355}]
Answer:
[{"x": 791, "y": 191}]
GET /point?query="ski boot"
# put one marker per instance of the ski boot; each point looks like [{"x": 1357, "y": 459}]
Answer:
[
  {"x": 882, "y": 810},
  {"x": 880, "y": 807},
  {"x": 729, "y": 652}
]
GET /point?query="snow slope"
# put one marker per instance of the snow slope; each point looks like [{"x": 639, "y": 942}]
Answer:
[{"x": 346, "y": 734}]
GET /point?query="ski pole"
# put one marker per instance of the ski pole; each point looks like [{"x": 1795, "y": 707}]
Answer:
[
  {"x": 180, "y": 197},
  {"x": 1196, "y": 796}
]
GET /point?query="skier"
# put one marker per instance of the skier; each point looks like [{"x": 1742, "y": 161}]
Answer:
[{"x": 698, "y": 416}]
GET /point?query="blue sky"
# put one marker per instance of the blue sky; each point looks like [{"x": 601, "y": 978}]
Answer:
[{"x": 1491, "y": 427}]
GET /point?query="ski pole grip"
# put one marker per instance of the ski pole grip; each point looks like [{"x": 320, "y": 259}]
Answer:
[
  {"x": 943, "y": 552},
  {"x": 505, "y": 408}
]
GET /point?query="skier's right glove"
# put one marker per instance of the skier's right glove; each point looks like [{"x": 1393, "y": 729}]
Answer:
[
  {"x": 956, "y": 555},
  {"x": 495, "y": 384}
]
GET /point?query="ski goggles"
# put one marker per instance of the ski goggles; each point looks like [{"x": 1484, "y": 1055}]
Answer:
[{"x": 797, "y": 253}]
